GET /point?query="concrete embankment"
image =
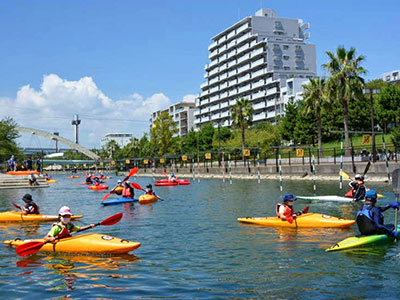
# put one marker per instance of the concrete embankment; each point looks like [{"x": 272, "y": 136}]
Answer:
[{"x": 20, "y": 182}]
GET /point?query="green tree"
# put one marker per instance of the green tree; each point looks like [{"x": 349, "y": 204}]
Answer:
[
  {"x": 242, "y": 116},
  {"x": 314, "y": 101},
  {"x": 8, "y": 136},
  {"x": 205, "y": 137},
  {"x": 162, "y": 133},
  {"x": 287, "y": 123},
  {"x": 396, "y": 137},
  {"x": 345, "y": 83},
  {"x": 388, "y": 108},
  {"x": 305, "y": 131}
]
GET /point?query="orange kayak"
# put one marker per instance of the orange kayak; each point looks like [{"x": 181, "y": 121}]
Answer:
[
  {"x": 98, "y": 187},
  {"x": 15, "y": 216},
  {"x": 22, "y": 172}
]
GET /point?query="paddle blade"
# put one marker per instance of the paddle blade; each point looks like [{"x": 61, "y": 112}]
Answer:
[
  {"x": 396, "y": 181},
  {"x": 112, "y": 220},
  {"x": 380, "y": 196},
  {"x": 367, "y": 167},
  {"x": 29, "y": 248},
  {"x": 106, "y": 196},
  {"x": 345, "y": 175},
  {"x": 131, "y": 173},
  {"x": 136, "y": 186}
]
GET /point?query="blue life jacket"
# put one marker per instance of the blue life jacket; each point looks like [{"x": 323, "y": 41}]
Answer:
[{"x": 365, "y": 221}]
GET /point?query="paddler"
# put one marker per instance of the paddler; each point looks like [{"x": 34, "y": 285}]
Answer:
[
  {"x": 119, "y": 191},
  {"x": 358, "y": 188},
  {"x": 64, "y": 228},
  {"x": 149, "y": 190},
  {"x": 285, "y": 210},
  {"x": 172, "y": 177},
  {"x": 30, "y": 207},
  {"x": 370, "y": 219},
  {"x": 128, "y": 191}
]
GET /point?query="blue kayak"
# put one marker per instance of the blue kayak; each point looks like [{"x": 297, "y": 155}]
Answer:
[{"x": 119, "y": 201}]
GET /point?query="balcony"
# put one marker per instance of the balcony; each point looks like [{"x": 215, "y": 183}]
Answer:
[
  {"x": 231, "y": 34},
  {"x": 225, "y": 123},
  {"x": 231, "y": 44},
  {"x": 205, "y": 119},
  {"x": 213, "y": 72},
  {"x": 269, "y": 80},
  {"x": 203, "y": 85},
  {"x": 183, "y": 116},
  {"x": 233, "y": 82},
  {"x": 222, "y": 39},
  {"x": 214, "y": 98},
  {"x": 214, "y": 80},
  {"x": 244, "y": 89},
  {"x": 243, "y": 58},
  {"x": 205, "y": 110},
  {"x": 242, "y": 28},
  {"x": 258, "y": 117},
  {"x": 259, "y": 105},
  {"x": 223, "y": 67},
  {"x": 197, "y": 121},
  {"x": 214, "y": 107},
  {"x": 213, "y": 63},
  {"x": 204, "y": 93},
  {"x": 231, "y": 63},
  {"x": 232, "y": 73},
  {"x": 223, "y": 85},
  {"x": 258, "y": 51},
  {"x": 215, "y": 116},
  {"x": 232, "y": 102},
  {"x": 258, "y": 95},
  {"x": 243, "y": 38},
  {"x": 272, "y": 91},
  {"x": 271, "y": 114},
  {"x": 223, "y": 48},
  {"x": 258, "y": 84},
  {"x": 224, "y": 104},
  {"x": 244, "y": 78},
  {"x": 224, "y": 114},
  {"x": 243, "y": 48},
  {"x": 257, "y": 63},
  {"x": 258, "y": 73},
  {"x": 231, "y": 54},
  {"x": 212, "y": 46},
  {"x": 271, "y": 103},
  {"x": 223, "y": 76},
  {"x": 213, "y": 54},
  {"x": 232, "y": 93},
  {"x": 214, "y": 89},
  {"x": 223, "y": 95}
]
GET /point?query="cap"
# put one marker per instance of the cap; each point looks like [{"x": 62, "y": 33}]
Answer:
[
  {"x": 65, "y": 210},
  {"x": 371, "y": 195},
  {"x": 149, "y": 186},
  {"x": 289, "y": 197},
  {"x": 27, "y": 197}
]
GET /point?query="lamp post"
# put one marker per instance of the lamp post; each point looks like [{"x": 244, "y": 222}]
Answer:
[{"x": 371, "y": 93}]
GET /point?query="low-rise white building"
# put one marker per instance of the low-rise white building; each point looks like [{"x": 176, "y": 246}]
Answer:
[
  {"x": 122, "y": 139},
  {"x": 392, "y": 76},
  {"x": 182, "y": 114}
]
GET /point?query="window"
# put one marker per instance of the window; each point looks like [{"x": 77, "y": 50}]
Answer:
[
  {"x": 285, "y": 47},
  {"x": 285, "y": 57},
  {"x": 286, "y": 68}
]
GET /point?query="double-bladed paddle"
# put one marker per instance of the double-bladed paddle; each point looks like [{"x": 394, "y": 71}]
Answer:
[
  {"x": 131, "y": 173},
  {"x": 138, "y": 187},
  {"x": 16, "y": 205},
  {"x": 34, "y": 246},
  {"x": 396, "y": 190}
]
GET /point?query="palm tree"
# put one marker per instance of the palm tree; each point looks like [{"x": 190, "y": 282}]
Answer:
[
  {"x": 314, "y": 101},
  {"x": 242, "y": 115},
  {"x": 345, "y": 83}
]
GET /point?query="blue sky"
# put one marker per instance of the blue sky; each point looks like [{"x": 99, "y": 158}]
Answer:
[{"x": 152, "y": 53}]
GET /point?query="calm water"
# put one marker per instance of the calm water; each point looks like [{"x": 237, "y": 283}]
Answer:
[{"x": 193, "y": 248}]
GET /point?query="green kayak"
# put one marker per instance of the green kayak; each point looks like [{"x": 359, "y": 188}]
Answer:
[{"x": 362, "y": 241}]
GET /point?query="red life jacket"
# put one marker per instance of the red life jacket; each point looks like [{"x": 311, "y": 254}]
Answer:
[
  {"x": 126, "y": 192},
  {"x": 65, "y": 230},
  {"x": 287, "y": 214}
]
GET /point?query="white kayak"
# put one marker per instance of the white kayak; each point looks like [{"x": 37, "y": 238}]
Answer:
[{"x": 327, "y": 198}]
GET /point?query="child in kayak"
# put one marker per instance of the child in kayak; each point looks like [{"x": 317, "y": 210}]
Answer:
[
  {"x": 149, "y": 190},
  {"x": 115, "y": 190},
  {"x": 64, "y": 228},
  {"x": 370, "y": 219},
  {"x": 285, "y": 210},
  {"x": 358, "y": 188},
  {"x": 30, "y": 207}
]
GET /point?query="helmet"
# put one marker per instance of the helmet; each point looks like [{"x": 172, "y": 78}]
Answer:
[
  {"x": 371, "y": 195},
  {"x": 65, "y": 210},
  {"x": 119, "y": 181},
  {"x": 27, "y": 198},
  {"x": 359, "y": 177},
  {"x": 289, "y": 197}
]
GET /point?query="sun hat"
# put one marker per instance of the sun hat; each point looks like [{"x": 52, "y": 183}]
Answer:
[{"x": 65, "y": 210}]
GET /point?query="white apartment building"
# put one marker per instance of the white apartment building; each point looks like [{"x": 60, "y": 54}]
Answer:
[
  {"x": 182, "y": 113},
  {"x": 293, "y": 88},
  {"x": 122, "y": 139},
  {"x": 393, "y": 76},
  {"x": 253, "y": 59}
]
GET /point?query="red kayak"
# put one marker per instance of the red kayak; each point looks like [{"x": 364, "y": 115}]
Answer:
[
  {"x": 166, "y": 183},
  {"x": 179, "y": 181},
  {"x": 98, "y": 187}
]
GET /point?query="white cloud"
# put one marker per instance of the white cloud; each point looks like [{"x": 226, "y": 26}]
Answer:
[{"x": 51, "y": 108}]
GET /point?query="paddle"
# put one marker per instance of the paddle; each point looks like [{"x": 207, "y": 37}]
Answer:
[
  {"x": 138, "y": 187},
  {"x": 131, "y": 173},
  {"x": 367, "y": 168},
  {"x": 34, "y": 246},
  {"x": 396, "y": 190},
  {"x": 16, "y": 205}
]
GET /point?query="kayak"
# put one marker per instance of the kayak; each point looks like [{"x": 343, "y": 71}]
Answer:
[
  {"x": 362, "y": 241},
  {"x": 166, "y": 183},
  {"x": 87, "y": 243},
  {"x": 327, "y": 198},
  {"x": 22, "y": 172},
  {"x": 74, "y": 176},
  {"x": 146, "y": 198},
  {"x": 306, "y": 220},
  {"x": 179, "y": 181},
  {"x": 98, "y": 187},
  {"x": 183, "y": 182},
  {"x": 51, "y": 181},
  {"x": 167, "y": 180},
  {"x": 9, "y": 216},
  {"x": 119, "y": 201},
  {"x": 117, "y": 190}
]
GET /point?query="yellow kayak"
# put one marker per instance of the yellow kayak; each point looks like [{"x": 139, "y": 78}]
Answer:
[
  {"x": 305, "y": 220},
  {"x": 51, "y": 181},
  {"x": 87, "y": 243},
  {"x": 117, "y": 190},
  {"x": 16, "y": 216},
  {"x": 146, "y": 198}
]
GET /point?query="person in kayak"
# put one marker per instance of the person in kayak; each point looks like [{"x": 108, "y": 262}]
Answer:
[
  {"x": 64, "y": 228},
  {"x": 88, "y": 178},
  {"x": 358, "y": 188},
  {"x": 30, "y": 207},
  {"x": 172, "y": 177},
  {"x": 115, "y": 190},
  {"x": 370, "y": 219},
  {"x": 128, "y": 191},
  {"x": 285, "y": 210},
  {"x": 149, "y": 190}
]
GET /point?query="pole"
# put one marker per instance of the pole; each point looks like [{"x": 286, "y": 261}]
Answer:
[
  {"x": 313, "y": 166},
  {"x": 223, "y": 167},
  {"x": 198, "y": 167},
  {"x": 230, "y": 168},
  {"x": 153, "y": 169},
  {"x": 386, "y": 158},
  {"x": 258, "y": 167},
  {"x": 194, "y": 176},
  {"x": 372, "y": 126},
  {"x": 341, "y": 163},
  {"x": 280, "y": 171}
]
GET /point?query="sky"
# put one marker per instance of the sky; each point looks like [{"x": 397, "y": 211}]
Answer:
[{"x": 113, "y": 62}]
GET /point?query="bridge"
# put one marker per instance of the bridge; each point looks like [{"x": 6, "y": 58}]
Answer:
[{"x": 62, "y": 140}]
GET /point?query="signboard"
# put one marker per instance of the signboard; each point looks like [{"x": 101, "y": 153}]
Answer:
[
  {"x": 101, "y": 163},
  {"x": 162, "y": 160},
  {"x": 67, "y": 166},
  {"x": 208, "y": 155},
  {"x": 300, "y": 152},
  {"x": 366, "y": 139},
  {"x": 113, "y": 162},
  {"x": 184, "y": 157},
  {"x": 145, "y": 161},
  {"x": 127, "y": 161},
  {"x": 246, "y": 152}
]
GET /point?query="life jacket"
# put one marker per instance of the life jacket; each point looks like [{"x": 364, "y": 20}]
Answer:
[
  {"x": 65, "y": 229},
  {"x": 32, "y": 208},
  {"x": 126, "y": 192},
  {"x": 284, "y": 212},
  {"x": 365, "y": 223}
]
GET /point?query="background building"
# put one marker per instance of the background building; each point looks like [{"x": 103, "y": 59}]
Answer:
[
  {"x": 182, "y": 114},
  {"x": 391, "y": 76},
  {"x": 122, "y": 139},
  {"x": 253, "y": 59}
]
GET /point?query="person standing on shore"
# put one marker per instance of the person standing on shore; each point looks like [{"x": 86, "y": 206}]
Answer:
[
  {"x": 285, "y": 210},
  {"x": 11, "y": 164},
  {"x": 358, "y": 188}
]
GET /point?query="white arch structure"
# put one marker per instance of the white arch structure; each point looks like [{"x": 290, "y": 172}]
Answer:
[{"x": 62, "y": 140}]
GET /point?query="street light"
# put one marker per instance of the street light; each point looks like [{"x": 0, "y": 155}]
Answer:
[{"x": 371, "y": 93}]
